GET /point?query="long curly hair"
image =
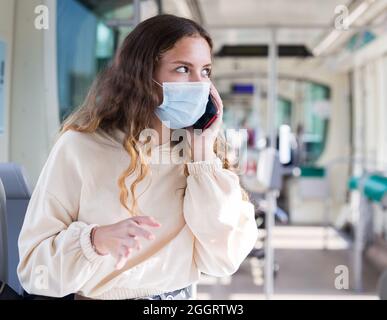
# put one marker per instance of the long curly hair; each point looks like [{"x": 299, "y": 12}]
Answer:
[{"x": 124, "y": 97}]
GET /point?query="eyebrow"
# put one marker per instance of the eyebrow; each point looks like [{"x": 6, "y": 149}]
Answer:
[{"x": 188, "y": 63}]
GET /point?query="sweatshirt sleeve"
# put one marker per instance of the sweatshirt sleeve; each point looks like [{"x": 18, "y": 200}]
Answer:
[
  {"x": 56, "y": 255},
  {"x": 222, "y": 222}
]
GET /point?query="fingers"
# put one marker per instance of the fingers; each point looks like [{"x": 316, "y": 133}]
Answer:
[
  {"x": 125, "y": 234},
  {"x": 120, "y": 263},
  {"x": 146, "y": 220},
  {"x": 132, "y": 242},
  {"x": 135, "y": 230},
  {"x": 135, "y": 226},
  {"x": 127, "y": 247},
  {"x": 219, "y": 104},
  {"x": 217, "y": 98},
  {"x": 122, "y": 257},
  {"x": 213, "y": 129}
]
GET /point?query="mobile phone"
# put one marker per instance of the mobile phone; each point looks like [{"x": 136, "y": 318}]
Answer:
[{"x": 208, "y": 117}]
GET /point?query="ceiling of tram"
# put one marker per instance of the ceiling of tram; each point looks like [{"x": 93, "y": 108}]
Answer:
[
  {"x": 264, "y": 13},
  {"x": 247, "y": 22},
  {"x": 300, "y": 22}
]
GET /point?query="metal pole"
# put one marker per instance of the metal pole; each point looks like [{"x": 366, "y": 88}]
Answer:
[
  {"x": 359, "y": 241},
  {"x": 327, "y": 208},
  {"x": 159, "y": 6},
  {"x": 137, "y": 12},
  {"x": 271, "y": 199},
  {"x": 272, "y": 88},
  {"x": 271, "y": 194},
  {"x": 362, "y": 210}
]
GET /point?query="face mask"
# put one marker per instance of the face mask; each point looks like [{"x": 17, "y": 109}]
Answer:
[{"x": 183, "y": 103}]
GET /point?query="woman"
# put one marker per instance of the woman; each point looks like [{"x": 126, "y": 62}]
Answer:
[{"x": 108, "y": 219}]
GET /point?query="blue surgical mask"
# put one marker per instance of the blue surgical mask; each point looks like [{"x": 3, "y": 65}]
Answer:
[{"x": 183, "y": 103}]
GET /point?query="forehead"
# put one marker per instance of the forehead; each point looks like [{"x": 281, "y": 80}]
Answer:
[{"x": 191, "y": 49}]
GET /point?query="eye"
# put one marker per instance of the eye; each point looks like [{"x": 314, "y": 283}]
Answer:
[
  {"x": 182, "y": 69},
  {"x": 206, "y": 72}
]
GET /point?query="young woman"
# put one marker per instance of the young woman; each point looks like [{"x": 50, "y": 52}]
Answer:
[{"x": 108, "y": 219}]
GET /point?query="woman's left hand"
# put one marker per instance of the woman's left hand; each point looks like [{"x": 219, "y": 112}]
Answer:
[{"x": 202, "y": 143}]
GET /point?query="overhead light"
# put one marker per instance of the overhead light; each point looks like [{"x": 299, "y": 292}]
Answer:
[
  {"x": 334, "y": 34},
  {"x": 359, "y": 10},
  {"x": 355, "y": 14},
  {"x": 326, "y": 42}
]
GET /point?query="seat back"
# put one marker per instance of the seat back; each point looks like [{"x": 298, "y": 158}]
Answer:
[
  {"x": 3, "y": 235},
  {"x": 18, "y": 194},
  {"x": 382, "y": 286}
]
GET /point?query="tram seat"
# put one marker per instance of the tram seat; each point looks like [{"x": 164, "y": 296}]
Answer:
[
  {"x": 382, "y": 286},
  {"x": 17, "y": 195},
  {"x": 3, "y": 239}
]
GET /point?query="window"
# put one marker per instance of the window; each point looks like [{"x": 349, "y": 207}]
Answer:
[
  {"x": 76, "y": 47},
  {"x": 284, "y": 112},
  {"x": 316, "y": 114},
  {"x": 86, "y": 43},
  {"x": 360, "y": 40}
]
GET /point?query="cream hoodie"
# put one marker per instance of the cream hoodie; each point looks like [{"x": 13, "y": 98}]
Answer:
[{"x": 208, "y": 229}]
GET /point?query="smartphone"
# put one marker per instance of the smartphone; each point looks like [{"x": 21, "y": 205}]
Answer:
[{"x": 208, "y": 117}]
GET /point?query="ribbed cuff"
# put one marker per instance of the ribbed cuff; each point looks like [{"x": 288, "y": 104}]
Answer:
[
  {"x": 86, "y": 245},
  {"x": 195, "y": 168}
]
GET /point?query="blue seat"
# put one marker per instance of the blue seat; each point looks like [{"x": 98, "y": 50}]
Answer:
[
  {"x": 382, "y": 286},
  {"x": 3, "y": 235},
  {"x": 375, "y": 187},
  {"x": 17, "y": 196}
]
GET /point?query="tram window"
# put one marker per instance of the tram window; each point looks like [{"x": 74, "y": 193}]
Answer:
[
  {"x": 104, "y": 45},
  {"x": 315, "y": 125},
  {"x": 284, "y": 112},
  {"x": 86, "y": 43},
  {"x": 76, "y": 47},
  {"x": 360, "y": 39}
]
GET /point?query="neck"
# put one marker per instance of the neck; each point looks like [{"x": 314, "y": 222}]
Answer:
[{"x": 164, "y": 133}]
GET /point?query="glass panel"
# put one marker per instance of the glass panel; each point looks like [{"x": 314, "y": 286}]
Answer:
[
  {"x": 284, "y": 112},
  {"x": 316, "y": 108},
  {"x": 105, "y": 45},
  {"x": 124, "y": 12},
  {"x": 76, "y": 41},
  {"x": 86, "y": 43},
  {"x": 360, "y": 40}
]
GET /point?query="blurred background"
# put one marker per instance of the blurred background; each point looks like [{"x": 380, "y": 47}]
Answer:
[{"x": 306, "y": 79}]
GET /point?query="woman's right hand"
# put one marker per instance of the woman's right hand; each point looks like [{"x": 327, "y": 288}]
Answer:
[{"x": 121, "y": 238}]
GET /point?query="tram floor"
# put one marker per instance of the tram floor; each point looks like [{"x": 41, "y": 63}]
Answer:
[{"x": 307, "y": 271}]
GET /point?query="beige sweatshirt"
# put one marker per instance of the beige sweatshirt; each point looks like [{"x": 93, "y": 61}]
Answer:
[{"x": 208, "y": 229}]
